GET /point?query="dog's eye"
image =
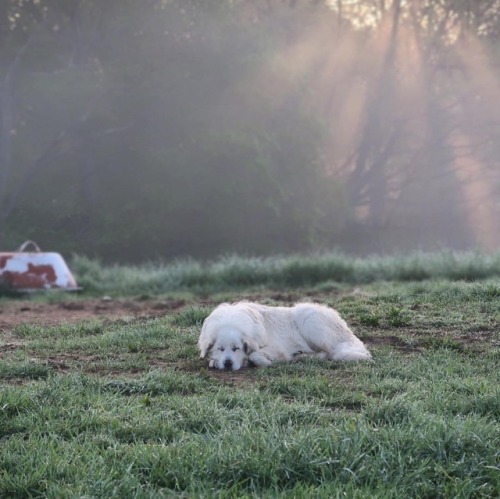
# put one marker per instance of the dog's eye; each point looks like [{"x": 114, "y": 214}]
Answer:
[
  {"x": 221, "y": 349},
  {"x": 235, "y": 348}
]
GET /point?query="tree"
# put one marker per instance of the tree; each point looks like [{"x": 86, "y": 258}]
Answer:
[
  {"x": 49, "y": 47},
  {"x": 139, "y": 110},
  {"x": 173, "y": 124},
  {"x": 421, "y": 103}
]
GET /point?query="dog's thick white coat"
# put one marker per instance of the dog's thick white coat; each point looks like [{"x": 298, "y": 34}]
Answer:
[{"x": 234, "y": 334}]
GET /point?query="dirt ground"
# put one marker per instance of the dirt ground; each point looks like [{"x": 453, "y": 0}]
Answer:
[{"x": 17, "y": 312}]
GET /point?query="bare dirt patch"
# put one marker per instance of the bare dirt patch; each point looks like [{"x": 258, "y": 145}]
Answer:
[{"x": 16, "y": 312}]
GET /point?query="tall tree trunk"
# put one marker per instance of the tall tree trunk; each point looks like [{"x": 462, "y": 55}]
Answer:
[{"x": 368, "y": 183}]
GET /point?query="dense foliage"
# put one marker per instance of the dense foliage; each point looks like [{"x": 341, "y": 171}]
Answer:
[{"x": 133, "y": 130}]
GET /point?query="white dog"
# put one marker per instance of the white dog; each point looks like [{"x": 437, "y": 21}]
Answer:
[{"x": 235, "y": 334}]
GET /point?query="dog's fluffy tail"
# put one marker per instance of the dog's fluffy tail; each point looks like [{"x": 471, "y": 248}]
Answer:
[{"x": 349, "y": 351}]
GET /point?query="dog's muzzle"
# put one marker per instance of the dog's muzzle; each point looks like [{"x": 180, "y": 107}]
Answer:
[{"x": 228, "y": 364}]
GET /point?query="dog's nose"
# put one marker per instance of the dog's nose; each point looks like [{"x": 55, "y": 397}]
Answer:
[{"x": 228, "y": 364}]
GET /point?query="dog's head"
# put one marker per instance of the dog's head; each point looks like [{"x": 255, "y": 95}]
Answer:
[
  {"x": 228, "y": 337},
  {"x": 227, "y": 349}
]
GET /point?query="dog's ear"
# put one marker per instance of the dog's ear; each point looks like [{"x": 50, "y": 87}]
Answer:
[
  {"x": 250, "y": 346},
  {"x": 205, "y": 347},
  {"x": 205, "y": 341}
]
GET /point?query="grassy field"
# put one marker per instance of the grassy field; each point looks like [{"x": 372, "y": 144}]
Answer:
[{"x": 125, "y": 408}]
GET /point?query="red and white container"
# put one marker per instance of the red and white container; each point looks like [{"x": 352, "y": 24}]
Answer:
[{"x": 30, "y": 269}]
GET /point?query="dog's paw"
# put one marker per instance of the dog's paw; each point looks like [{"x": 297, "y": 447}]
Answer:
[
  {"x": 211, "y": 363},
  {"x": 259, "y": 360}
]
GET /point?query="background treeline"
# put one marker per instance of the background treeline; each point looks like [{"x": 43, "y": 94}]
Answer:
[{"x": 138, "y": 130}]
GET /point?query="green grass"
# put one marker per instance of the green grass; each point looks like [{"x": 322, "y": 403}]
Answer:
[
  {"x": 279, "y": 272},
  {"x": 127, "y": 409}
]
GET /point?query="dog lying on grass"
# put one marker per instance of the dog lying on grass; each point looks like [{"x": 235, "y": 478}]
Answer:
[{"x": 236, "y": 335}]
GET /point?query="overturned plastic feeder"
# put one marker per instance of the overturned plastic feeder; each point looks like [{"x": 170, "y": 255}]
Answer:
[{"x": 29, "y": 269}]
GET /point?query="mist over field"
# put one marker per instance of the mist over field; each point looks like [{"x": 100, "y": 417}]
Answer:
[{"x": 170, "y": 128}]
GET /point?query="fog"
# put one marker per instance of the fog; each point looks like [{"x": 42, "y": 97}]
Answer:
[{"x": 160, "y": 129}]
